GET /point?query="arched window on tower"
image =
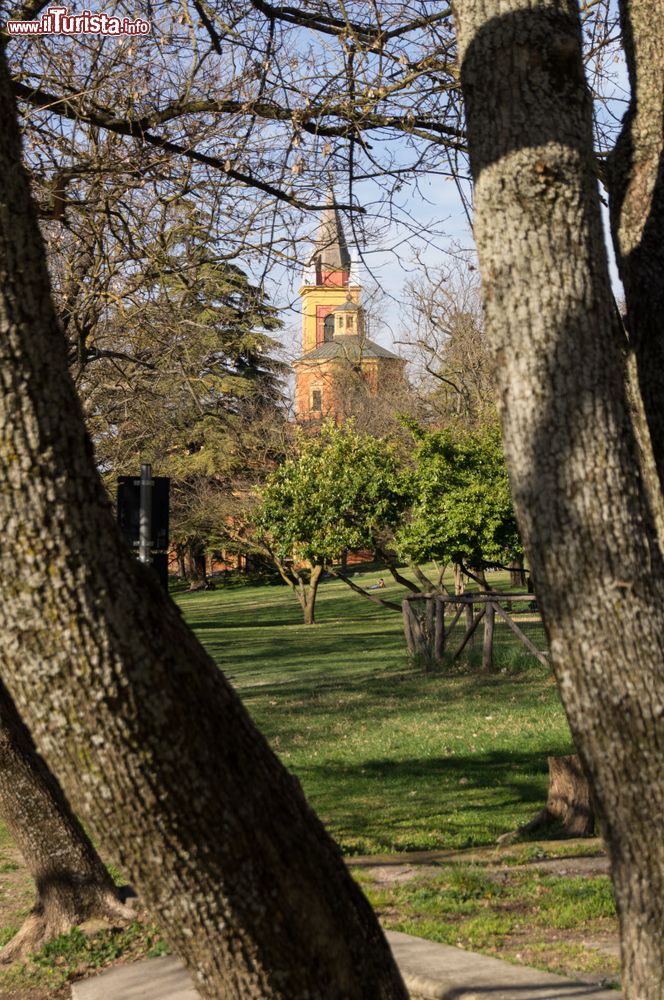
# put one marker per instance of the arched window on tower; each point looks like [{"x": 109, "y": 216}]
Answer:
[
  {"x": 317, "y": 399},
  {"x": 328, "y": 327}
]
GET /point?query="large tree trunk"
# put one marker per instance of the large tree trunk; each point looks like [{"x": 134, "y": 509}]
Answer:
[
  {"x": 149, "y": 740},
  {"x": 72, "y": 882},
  {"x": 636, "y": 186},
  {"x": 581, "y": 492}
]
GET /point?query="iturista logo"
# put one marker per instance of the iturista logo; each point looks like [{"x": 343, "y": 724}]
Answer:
[{"x": 58, "y": 21}]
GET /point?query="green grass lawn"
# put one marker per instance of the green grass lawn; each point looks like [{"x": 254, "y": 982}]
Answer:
[
  {"x": 391, "y": 758},
  {"x": 559, "y": 922},
  {"x": 396, "y": 760}
]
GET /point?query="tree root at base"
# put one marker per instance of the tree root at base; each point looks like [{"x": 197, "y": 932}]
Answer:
[
  {"x": 569, "y": 808},
  {"x": 45, "y": 922}
]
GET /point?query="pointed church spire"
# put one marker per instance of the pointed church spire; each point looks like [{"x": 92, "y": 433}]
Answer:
[{"x": 330, "y": 249}]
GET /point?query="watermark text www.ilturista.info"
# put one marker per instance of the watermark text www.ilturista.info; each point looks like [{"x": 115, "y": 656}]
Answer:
[{"x": 58, "y": 21}]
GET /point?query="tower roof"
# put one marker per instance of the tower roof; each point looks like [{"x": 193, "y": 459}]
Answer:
[
  {"x": 350, "y": 347},
  {"x": 330, "y": 246}
]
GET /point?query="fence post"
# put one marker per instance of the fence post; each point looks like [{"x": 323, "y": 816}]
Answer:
[
  {"x": 430, "y": 625},
  {"x": 470, "y": 612},
  {"x": 419, "y": 637},
  {"x": 439, "y": 636},
  {"x": 407, "y": 631},
  {"x": 487, "y": 650}
]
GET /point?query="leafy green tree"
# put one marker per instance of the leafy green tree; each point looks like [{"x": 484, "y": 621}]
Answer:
[
  {"x": 342, "y": 490},
  {"x": 463, "y": 508}
]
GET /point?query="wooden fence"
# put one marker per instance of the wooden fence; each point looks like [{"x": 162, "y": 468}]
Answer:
[{"x": 429, "y": 635}]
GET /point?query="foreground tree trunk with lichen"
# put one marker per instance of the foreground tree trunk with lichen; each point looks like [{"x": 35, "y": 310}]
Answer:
[
  {"x": 584, "y": 494},
  {"x": 71, "y": 880},
  {"x": 150, "y": 742}
]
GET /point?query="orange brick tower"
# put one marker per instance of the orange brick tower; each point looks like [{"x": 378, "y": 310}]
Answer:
[{"x": 334, "y": 340}]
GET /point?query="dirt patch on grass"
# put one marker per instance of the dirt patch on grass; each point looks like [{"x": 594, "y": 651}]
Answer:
[
  {"x": 37, "y": 993},
  {"x": 589, "y": 867},
  {"x": 391, "y": 874}
]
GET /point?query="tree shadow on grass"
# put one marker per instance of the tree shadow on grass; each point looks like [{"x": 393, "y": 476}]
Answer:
[
  {"x": 305, "y": 669},
  {"x": 475, "y": 771},
  {"x": 264, "y": 610},
  {"x": 242, "y": 621},
  {"x": 422, "y": 803},
  {"x": 384, "y": 689}
]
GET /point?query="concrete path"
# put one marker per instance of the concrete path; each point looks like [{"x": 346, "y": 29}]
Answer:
[
  {"x": 431, "y": 972},
  {"x": 439, "y": 972},
  {"x": 151, "y": 979}
]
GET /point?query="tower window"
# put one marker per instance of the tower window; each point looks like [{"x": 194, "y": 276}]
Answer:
[
  {"x": 341, "y": 322},
  {"x": 349, "y": 323},
  {"x": 316, "y": 400},
  {"x": 328, "y": 327}
]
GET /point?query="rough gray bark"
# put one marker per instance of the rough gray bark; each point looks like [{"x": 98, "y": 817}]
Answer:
[
  {"x": 150, "y": 742},
  {"x": 636, "y": 186},
  {"x": 569, "y": 807},
  {"x": 71, "y": 880},
  {"x": 569, "y": 800},
  {"x": 578, "y": 482}
]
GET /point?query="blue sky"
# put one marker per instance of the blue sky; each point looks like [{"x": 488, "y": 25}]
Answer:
[{"x": 437, "y": 207}]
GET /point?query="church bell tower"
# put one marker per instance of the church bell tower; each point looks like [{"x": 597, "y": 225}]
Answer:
[
  {"x": 328, "y": 278},
  {"x": 333, "y": 327}
]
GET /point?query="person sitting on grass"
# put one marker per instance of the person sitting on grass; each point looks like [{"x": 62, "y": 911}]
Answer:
[{"x": 377, "y": 586}]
